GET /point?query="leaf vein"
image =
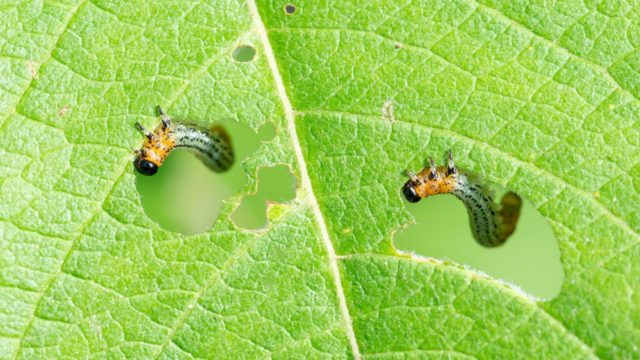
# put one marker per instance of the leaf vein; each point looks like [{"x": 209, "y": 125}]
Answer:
[
  {"x": 305, "y": 179},
  {"x": 67, "y": 256},
  {"x": 68, "y": 21},
  {"x": 496, "y": 13}
]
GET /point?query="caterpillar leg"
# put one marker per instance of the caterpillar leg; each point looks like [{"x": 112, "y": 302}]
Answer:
[
  {"x": 433, "y": 170},
  {"x": 166, "y": 121},
  {"x": 413, "y": 176},
  {"x": 148, "y": 134},
  {"x": 451, "y": 168}
]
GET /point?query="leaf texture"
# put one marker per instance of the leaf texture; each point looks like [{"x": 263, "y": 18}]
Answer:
[{"x": 541, "y": 98}]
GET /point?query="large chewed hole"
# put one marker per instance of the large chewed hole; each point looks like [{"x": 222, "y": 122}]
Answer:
[
  {"x": 185, "y": 196},
  {"x": 275, "y": 185},
  {"x": 529, "y": 259},
  {"x": 244, "y": 53}
]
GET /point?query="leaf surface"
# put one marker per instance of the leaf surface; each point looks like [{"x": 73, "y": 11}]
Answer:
[{"x": 543, "y": 100}]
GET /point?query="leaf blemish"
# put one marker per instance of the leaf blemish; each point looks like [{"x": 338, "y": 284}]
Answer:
[
  {"x": 388, "y": 111},
  {"x": 32, "y": 67},
  {"x": 244, "y": 53},
  {"x": 290, "y": 9},
  {"x": 64, "y": 110}
]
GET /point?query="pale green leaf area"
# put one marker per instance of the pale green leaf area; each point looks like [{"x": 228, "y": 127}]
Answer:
[{"x": 541, "y": 98}]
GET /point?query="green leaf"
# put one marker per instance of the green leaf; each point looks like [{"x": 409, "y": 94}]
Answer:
[{"x": 541, "y": 98}]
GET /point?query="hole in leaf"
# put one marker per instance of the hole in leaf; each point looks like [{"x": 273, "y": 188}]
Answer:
[
  {"x": 530, "y": 258},
  {"x": 266, "y": 132},
  {"x": 290, "y": 9},
  {"x": 244, "y": 53},
  {"x": 185, "y": 196},
  {"x": 275, "y": 184}
]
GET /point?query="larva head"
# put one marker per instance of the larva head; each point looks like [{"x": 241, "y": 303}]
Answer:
[
  {"x": 145, "y": 167},
  {"x": 430, "y": 181},
  {"x": 410, "y": 193},
  {"x": 155, "y": 149}
]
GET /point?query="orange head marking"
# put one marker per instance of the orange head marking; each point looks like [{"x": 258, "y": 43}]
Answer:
[
  {"x": 430, "y": 181},
  {"x": 155, "y": 149}
]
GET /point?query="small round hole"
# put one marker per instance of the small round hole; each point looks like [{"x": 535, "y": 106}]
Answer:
[
  {"x": 244, "y": 53},
  {"x": 290, "y": 9},
  {"x": 267, "y": 132}
]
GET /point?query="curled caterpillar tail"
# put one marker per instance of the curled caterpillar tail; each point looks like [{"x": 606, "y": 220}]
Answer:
[
  {"x": 509, "y": 214},
  {"x": 491, "y": 224}
]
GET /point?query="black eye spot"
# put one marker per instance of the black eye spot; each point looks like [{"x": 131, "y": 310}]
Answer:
[
  {"x": 410, "y": 193},
  {"x": 145, "y": 167}
]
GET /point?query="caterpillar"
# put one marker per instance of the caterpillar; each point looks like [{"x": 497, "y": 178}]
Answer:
[
  {"x": 212, "y": 146},
  {"x": 491, "y": 224}
]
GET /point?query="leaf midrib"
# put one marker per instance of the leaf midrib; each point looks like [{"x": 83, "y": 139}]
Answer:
[{"x": 307, "y": 188}]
